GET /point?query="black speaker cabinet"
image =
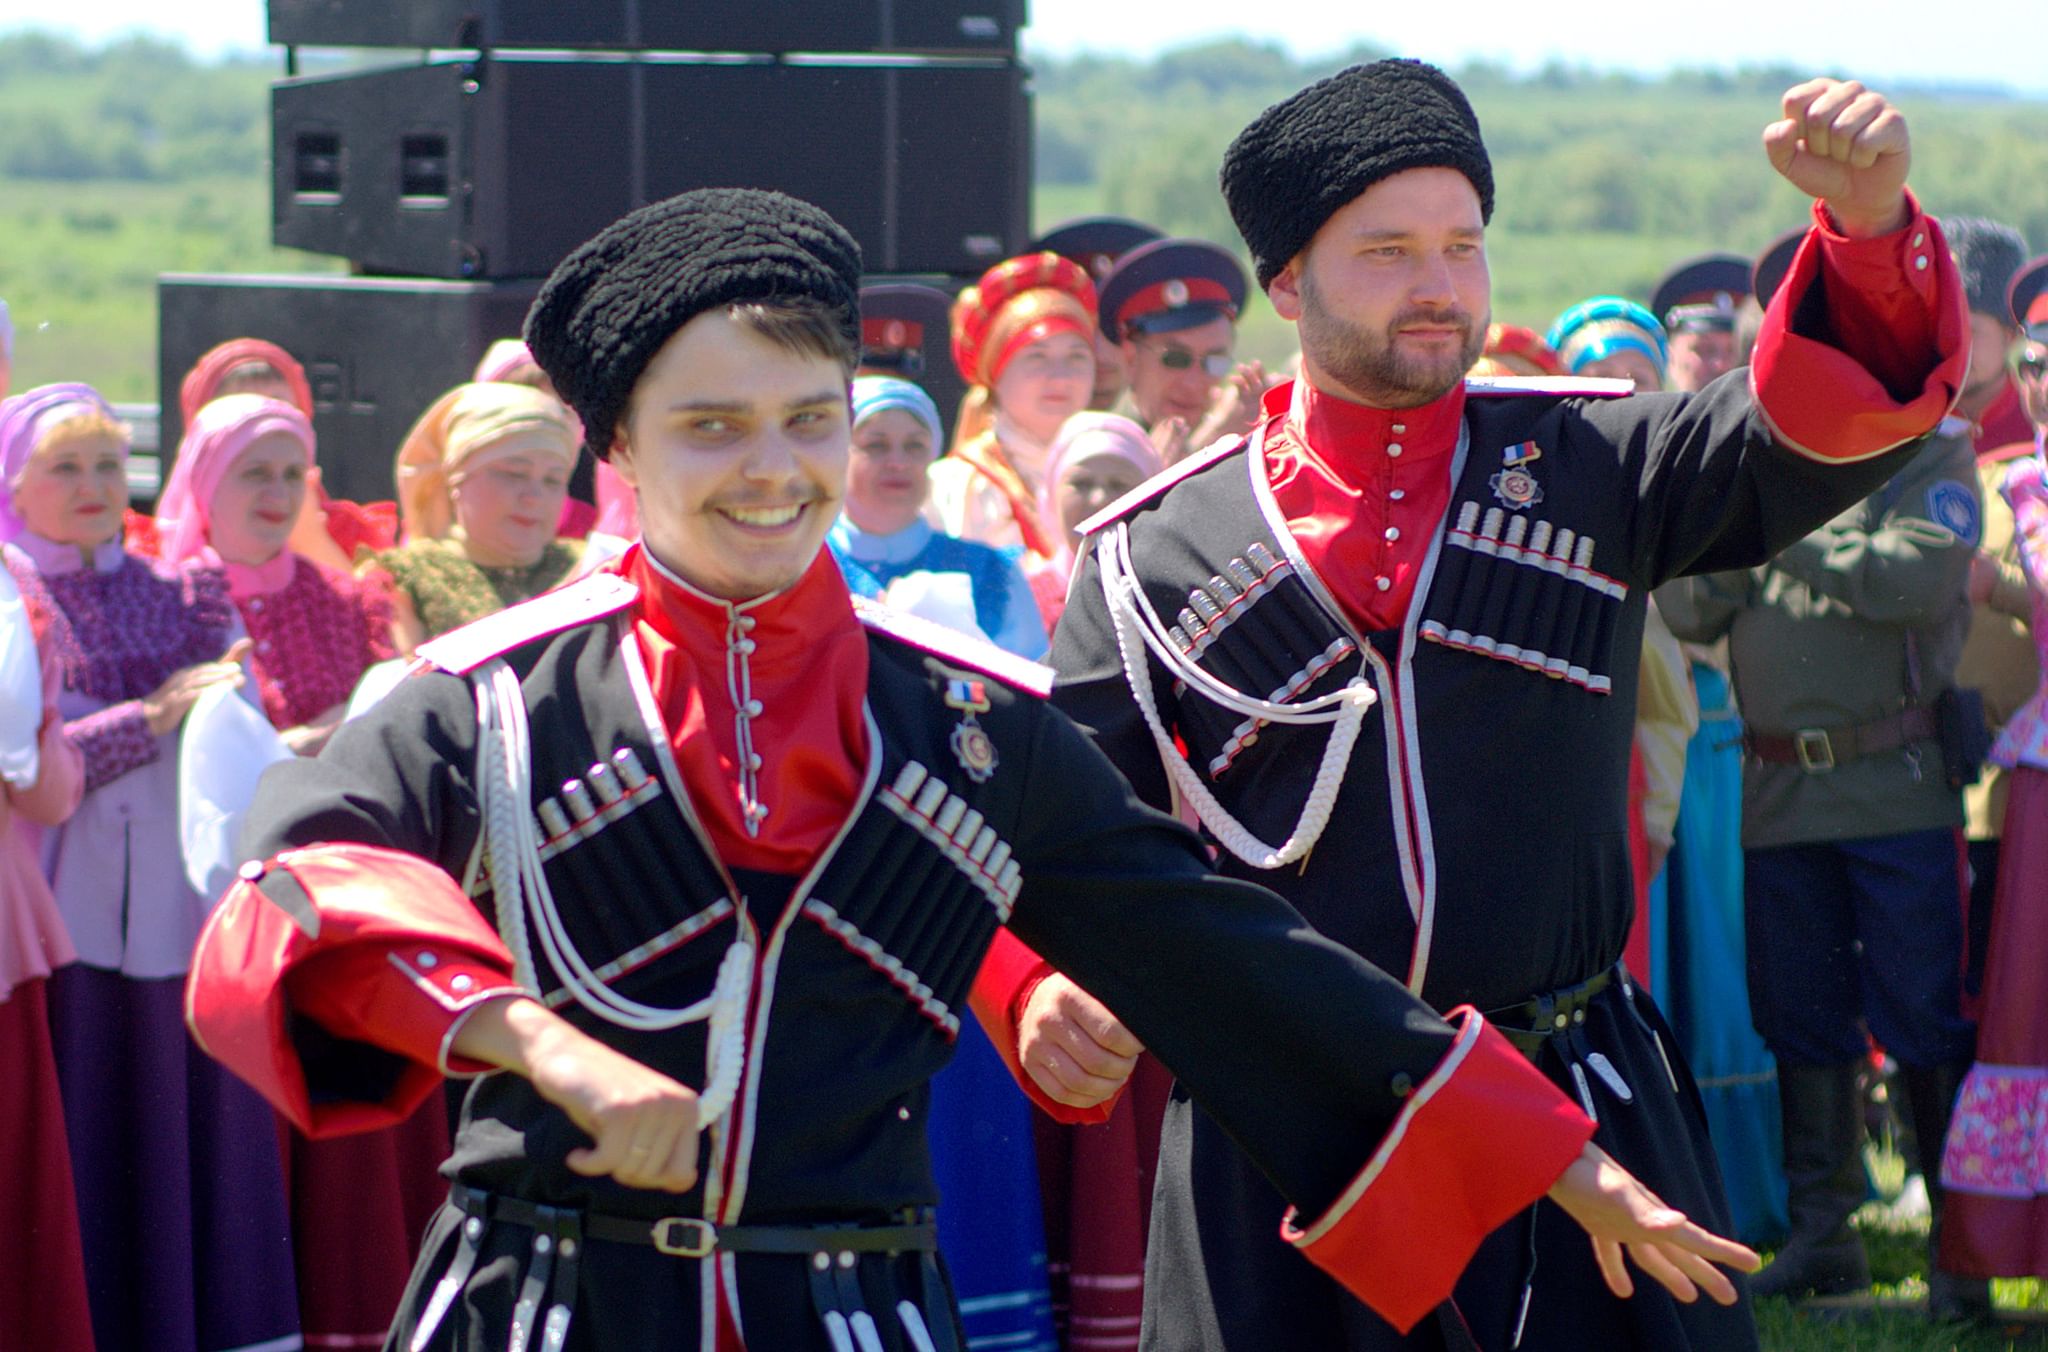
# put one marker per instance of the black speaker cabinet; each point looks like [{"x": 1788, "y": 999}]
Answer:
[
  {"x": 376, "y": 350},
  {"x": 969, "y": 27},
  {"x": 497, "y": 168}
]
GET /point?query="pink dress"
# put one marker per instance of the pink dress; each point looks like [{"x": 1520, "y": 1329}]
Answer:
[
  {"x": 42, "y": 1263},
  {"x": 1995, "y": 1166}
]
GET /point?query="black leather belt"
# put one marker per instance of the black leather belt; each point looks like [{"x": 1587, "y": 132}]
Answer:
[
  {"x": 694, "y": 1237},
  {"x": 1819, "y": 750},
  {"x": 1534, "y": 1022}
]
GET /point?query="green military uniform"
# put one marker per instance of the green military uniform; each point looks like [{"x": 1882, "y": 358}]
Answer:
[
  {"x": 1825, "y": 636},
  {"x": 1852, "y": 871}
]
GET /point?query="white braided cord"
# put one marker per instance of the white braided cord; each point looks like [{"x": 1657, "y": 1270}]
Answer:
[
  {"x": 1120, "y": 590},
  {"x": 1120, "y": 572},
  {"x": 523, "y": 898}
]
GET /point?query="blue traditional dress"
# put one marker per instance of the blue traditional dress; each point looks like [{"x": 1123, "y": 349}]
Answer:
[{"x": 1701, "y": 979}]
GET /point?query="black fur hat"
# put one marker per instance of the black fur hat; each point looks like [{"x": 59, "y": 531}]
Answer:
[
  {"x": 611, "y": 304},
  {"x": 1314, "y": 151}
]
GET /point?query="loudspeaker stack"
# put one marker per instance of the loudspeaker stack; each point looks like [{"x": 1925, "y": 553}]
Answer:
[{"x": 518, "y": 128}]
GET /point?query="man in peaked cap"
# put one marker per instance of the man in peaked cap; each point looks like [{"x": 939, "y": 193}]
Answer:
[
  {"x": 1171, "y": 307},
  {"x": 1096, "y": 243},
  {"x": 905, "y": 330},
  {"x": 703, "y": 786},
  {"x": 1697, "y": 302},
  {"x": 1989, "y": 253},
  {"x": 1480, "y": 559}
]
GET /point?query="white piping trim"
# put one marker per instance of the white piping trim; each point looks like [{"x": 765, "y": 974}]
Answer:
[
  {"x": 1467, "y": 1039},
  {"x": 670, "y": 939},
  {"x": 1235, "y": 610},
  {"x": 291, "y": 1342},
  {"x": 885, "y": 962},
  {"x": 1411, "y": 730},
  {"x": 664, "y": 757},
  {"x": 728, "y": 1277},
  {"x": 453, "y": 1004},
  {"x": 771, "y": 963},
  {"x": 1002, "y": 883},
  {"x": 1245, "y": 732}
]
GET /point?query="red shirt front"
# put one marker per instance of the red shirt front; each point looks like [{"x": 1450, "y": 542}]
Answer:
[
  {"x": 787, "y": 672},
  {"x": 1363, "y": 490}
]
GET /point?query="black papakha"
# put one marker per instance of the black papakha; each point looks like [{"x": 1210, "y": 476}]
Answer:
[
  {"x": 610, "y": 305},
  {"x": 1312, "y": 152}
]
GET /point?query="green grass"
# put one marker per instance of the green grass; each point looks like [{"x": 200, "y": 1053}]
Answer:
[
  {"x": 79, "y": 263},
  {"x": 1898, "y": 1267}
]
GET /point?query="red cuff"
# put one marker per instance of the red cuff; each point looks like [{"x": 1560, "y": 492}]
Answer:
[
  {"x": 322, "y": 949},
  {"x": 409, "y": 999},
  {"x": 1895, "y": 350},
  {"x": 1008, "y": 975},
  {"x": 1441, "y": 1173}
]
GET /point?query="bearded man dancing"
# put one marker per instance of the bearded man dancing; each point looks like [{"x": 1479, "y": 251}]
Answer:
[{"x": 1477, "y": 554}]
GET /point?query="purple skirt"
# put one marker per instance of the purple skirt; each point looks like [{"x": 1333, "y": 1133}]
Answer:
[{"x": 181, "y": 1195}]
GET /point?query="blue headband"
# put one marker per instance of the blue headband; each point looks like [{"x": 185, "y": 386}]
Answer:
[
  {"x": 874, "y": 394},
  {"x": 1596, "y": 329}
]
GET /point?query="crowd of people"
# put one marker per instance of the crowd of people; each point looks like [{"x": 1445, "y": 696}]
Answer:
[{"x": 1801, "y": 863}]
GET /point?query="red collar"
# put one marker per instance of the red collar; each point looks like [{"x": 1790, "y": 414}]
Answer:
[
  {"x": 763, "y": 702},
  {"x": 1337, "y": 431}
]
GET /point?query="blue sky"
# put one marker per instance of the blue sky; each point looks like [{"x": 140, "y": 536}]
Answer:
[{"x": 1888, "y": 43}]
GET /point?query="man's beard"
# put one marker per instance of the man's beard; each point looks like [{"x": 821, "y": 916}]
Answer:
[{"x": 1371, "y": 367}]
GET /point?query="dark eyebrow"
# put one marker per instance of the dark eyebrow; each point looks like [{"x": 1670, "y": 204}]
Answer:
[{"x": 742, "y": 408}]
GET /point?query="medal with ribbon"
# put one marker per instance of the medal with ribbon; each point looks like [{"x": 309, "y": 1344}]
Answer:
[
  {"x": 970, "y": 742},
  {"x": 1514, "y": 485}
]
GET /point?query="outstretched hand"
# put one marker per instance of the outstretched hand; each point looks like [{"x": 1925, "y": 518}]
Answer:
[
  {"x": 1847, "y": 146},
  {"x": 1619, "y": 1212}
]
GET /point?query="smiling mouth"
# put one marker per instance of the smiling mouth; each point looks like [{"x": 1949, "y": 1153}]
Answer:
[{"x": 765, "y": 517}]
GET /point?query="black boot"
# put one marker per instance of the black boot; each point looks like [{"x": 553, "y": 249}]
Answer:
[
  {"x": 1823, "y": 1119},
  {"x": 1931, "y": 1098}
]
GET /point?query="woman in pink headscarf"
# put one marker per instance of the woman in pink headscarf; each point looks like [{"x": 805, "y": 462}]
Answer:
[
  {"x": 359, "y": 1203},
  {"x": 330, "y": 530},
  {"x": 232, "y": 498},
  {"x": 1095, "y": 459}
]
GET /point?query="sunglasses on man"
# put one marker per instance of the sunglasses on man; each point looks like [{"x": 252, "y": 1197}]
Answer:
[{"x": 1215, "y": 365}]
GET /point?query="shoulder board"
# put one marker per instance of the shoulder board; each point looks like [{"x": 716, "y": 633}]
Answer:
[
  {"x": 1952, "y": 426},
  {"x": 1580, "y": 387},
  {"x": 954, "y": 646},
  {"x": 1162, "y": 481},
  {"x": 591, "y": 598}
]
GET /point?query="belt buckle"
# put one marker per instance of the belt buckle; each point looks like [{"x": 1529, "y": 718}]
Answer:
[
  {"x": 702, "y": 1237},
  {"x": 1816, "y": 753}
]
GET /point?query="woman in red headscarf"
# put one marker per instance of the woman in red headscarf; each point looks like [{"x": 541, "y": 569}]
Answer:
[
  {"x": 358, "y": 1203},
  {"x": 1023, "y": 337}
]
